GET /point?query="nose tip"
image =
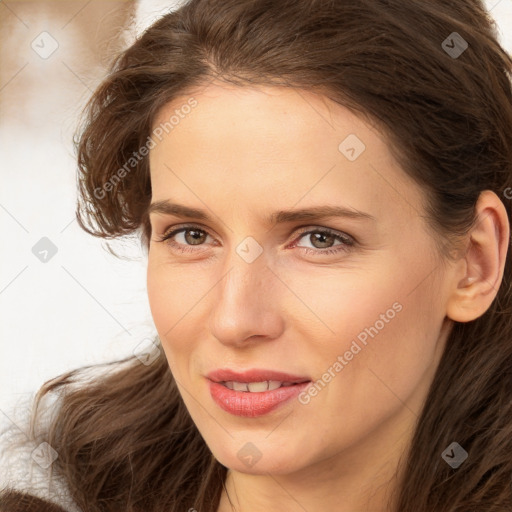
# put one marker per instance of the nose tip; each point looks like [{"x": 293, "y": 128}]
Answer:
[{"x": 245, "y": 307}]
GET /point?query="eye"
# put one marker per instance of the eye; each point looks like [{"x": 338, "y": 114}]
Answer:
[
  {"x": 189, "y": 235},
  {"x": 322, "y": 240}
]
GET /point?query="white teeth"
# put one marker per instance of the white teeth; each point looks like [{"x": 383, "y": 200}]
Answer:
[
  {"x": 255, "y": 387},
  {"x": 240, "y": 386},
  {"x": 273, "y": 384}
]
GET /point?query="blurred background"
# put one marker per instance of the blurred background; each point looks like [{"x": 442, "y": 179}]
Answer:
[{"x": 65, "y": 301}]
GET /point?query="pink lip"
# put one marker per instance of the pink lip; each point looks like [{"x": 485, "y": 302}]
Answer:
[{"x": 251, "y": 405}]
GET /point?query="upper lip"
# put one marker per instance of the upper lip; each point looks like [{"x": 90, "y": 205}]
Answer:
[{"x": 254, "y": 375}]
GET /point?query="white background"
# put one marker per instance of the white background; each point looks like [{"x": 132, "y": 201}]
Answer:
[{"x": 83, "y": 306}]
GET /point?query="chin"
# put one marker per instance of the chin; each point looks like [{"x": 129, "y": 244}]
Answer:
[{"x": 247, "y": 460}]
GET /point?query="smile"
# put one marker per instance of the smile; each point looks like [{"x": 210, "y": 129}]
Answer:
[
  {"x": 255, "y": 387},
  {"x": 253, "y": 399}
]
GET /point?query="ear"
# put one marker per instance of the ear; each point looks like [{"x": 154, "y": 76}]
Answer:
[{"x": 479, "y": 272}]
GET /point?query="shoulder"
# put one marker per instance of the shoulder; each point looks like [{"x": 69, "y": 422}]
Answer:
[{"x": 26, "y": 471}]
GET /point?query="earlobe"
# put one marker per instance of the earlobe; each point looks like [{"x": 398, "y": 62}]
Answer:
[{"x": 483, "y": 261}]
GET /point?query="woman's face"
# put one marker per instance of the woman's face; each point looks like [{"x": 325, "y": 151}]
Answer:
[{"x": 350, "y": 304}]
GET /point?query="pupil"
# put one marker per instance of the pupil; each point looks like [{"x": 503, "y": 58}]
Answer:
[
  {"x": 194, "y": 240},
  {"x": 318, "y": 238}
]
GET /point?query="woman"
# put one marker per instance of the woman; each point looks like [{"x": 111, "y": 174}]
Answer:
[{"x": 342, "y": 335}]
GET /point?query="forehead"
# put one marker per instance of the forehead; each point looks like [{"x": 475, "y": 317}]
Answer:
[
  {"x": 267, "y": 113},
  {"x": 268, "y": 143}
]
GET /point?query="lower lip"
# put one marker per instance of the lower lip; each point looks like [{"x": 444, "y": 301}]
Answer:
[{"x": 251, "y": 405}]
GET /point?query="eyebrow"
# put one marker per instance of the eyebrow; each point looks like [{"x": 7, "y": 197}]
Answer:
[{"x": 166, "y": 207}]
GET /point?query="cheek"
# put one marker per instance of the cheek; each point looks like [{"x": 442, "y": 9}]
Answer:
[
  {"x": 158, "y": 296},
  {"x": 388, "y": 360},
  {"x": 171, "y": 291},
  {"x": 176, "y": 299},
  {"x": 165, "y": 296},
  {"x": 383, "y": 325},
  {"x": 409, "y": 348},
  {"x": 340, "y": 305}
]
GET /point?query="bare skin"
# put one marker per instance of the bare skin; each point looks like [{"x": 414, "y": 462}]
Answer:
[{"x": 239, "y": 155}]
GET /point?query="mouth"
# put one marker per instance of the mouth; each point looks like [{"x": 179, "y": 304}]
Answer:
[
  {"x": 257, "y": 387},
  {"x": 254, "y": 392}
]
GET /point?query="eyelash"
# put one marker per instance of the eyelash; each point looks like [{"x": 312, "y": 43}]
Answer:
[{"x": 347, "y": 241}]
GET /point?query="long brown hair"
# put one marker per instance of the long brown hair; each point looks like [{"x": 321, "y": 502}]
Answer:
[{"x": 125, "y": 439}]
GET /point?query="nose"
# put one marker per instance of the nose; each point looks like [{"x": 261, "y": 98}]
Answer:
[{"x": 247, "y": 304}]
